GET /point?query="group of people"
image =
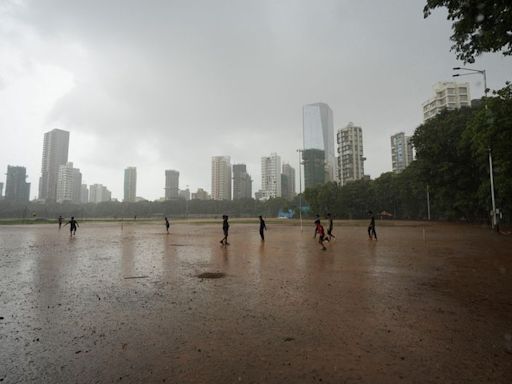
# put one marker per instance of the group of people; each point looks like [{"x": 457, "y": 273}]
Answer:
[
  {"x": 319, "y": 228},
  {"x": 225, "y": 229}
]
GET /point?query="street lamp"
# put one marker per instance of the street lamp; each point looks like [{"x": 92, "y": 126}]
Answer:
[
  {"x": 472, "y": 71},
  {"x": 299, "y": 151},
  {"x": 482, "y": 72}
]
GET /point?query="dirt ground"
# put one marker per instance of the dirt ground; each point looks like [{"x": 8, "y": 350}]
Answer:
[{"x": 423, "y": 304}]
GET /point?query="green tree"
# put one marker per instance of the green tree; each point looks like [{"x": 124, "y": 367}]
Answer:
[{"x": 478, "y": 26}]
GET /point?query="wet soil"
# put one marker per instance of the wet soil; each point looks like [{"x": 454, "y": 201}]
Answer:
[{"x": 423, "y": 304}]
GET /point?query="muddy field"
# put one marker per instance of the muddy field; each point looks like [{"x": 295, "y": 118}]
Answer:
[{"x": 423, "y": 304}]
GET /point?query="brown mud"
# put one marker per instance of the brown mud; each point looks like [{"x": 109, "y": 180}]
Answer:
[{"x": 130, "y": 306}]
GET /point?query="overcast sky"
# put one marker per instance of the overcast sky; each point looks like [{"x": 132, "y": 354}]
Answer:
[{"x": 169, "y": 84}]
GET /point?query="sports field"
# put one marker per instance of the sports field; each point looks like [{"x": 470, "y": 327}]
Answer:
[{"x": 426, "y": 303}]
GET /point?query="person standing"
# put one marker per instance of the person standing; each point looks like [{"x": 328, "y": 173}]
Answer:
[
  {"x": 225, "y": 228},
  {"x": 371, "y": 226},
  {"x": 167, "y": 224},
  {"x": 73, "y": 225},
  {"x": 61, "y": 219},
  {"x": 330, "y": 227},
  {"x": 263, "y": 228}
]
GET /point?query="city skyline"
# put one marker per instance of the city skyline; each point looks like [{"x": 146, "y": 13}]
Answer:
[{"x": 158, "y": 101}]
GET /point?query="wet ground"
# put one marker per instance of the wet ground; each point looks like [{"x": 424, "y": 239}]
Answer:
[{"x": 127, "y": 305}]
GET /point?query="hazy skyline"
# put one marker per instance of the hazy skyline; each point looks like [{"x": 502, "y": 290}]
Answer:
[{"x": 167, "y": 85}]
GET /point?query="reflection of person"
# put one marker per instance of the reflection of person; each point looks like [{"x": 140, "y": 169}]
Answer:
[
  {"x": 329, "y": 228},
  {"x": 225, "y": 228},
  {"x": 321, "y": 234},
  {"x": 317, "y": 221},
  {"x": 263, "y": 228},
  {"x": 73, "y": 225},
  {"x": 371, "y": 226},
  {"x": 61, "y": 219},
  {"x": 167, "y": 224}
]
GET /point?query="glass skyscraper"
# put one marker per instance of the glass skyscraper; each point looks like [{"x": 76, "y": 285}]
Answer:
[{"x": 318, "y": 134}]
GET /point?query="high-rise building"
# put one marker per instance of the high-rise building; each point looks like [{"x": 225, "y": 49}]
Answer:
[
  {"x": 350, "y": 153},
  {"x": 98, "y": 193},
  {"x": 201, "y": 194},
  {"x": 84, "y": 194},
  {"x": 242, "y": 182},
  {"x": 69, "y": 184},
  {"x": 401, "y": 151},
  {"x": 270, "y": 176},
  {"x": 172, "y": 184},
  {"x": 448, "y": 95},
  {"x": 318, "y": 154},
  {"x": 55, "y": 154},
  {"x": 221, "y": 178},
  {"x": 288, "y": 182},
  {"x": 184, "y": 194},
  {"x": 16, "y": 186},
  {"x": 130, "y": 184}
]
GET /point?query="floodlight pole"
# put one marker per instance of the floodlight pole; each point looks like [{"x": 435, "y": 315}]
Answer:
[
  {"x": 484, "y": 74},
  {"x": 299, "y": 151}
]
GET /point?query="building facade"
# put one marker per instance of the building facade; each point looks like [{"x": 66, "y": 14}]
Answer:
[
  {"x": 221, "y": 178},
  {"x": 350, "y": 153},
  {"x": 16, "y": 186},
  {"x": 448, "y": 95},
  {"x": 318, "y": 138},
  {"x": 242, "y": 182},
  {"x": 401, "y": 151},
  {"x": 201, "y": 194},
  {"x": 69, "y": 184},
  {"x": 270, "y": 176},
  {"x": 288, "y": 182},
  {"x": 55, "y": 154},
  {"x": 172, "y": 184},
  {"x": 84, "y": 194},
  {"x": 130, "y": 185},
  {"x": 98, "y": 193}
]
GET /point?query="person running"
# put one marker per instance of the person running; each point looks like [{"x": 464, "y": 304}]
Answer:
[
  {"x": 316, "y": 222},
  {"x": 371, "y": 227},
  {"x": 225, "y": 228},
  {"x": 321, "y": 234},
  {"x": 61, "y": 219},
  {"x": 263, "y": 228},
  {"x": 330, "y": 227},
  {"x": 73, "y": 225},
  {"x": 167, "y": 225}
]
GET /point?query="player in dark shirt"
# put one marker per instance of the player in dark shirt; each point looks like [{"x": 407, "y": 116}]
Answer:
[
  {"x": 61, "y": 219},
  {"x": 330, "y": 227},
  {"x": 263, "y": 228},
  {"x": 73, "y": 225},
  {"x": 225, "y": 228},
  {"x": 371, "y": 226},
  {"x": 167, "y": 224}
]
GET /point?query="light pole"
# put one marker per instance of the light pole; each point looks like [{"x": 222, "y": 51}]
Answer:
[
  {"x": 472, "y": 71},
  {"x": 299, "y": 151},
  {"x": 482, "y": 72}
]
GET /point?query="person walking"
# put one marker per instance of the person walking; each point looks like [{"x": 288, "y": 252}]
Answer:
[
  {"x": 225, "y": 229},
  {"x": 330, "y": 227},
  {"x": 60, "y": 219},
  {"x": 321, "y": 234},
  {"x": 371, "y": 227},
  {"x": 263, "y": 228},
  {"x": 73, "y": 225},
  {"x": 167, "y": 224}
]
